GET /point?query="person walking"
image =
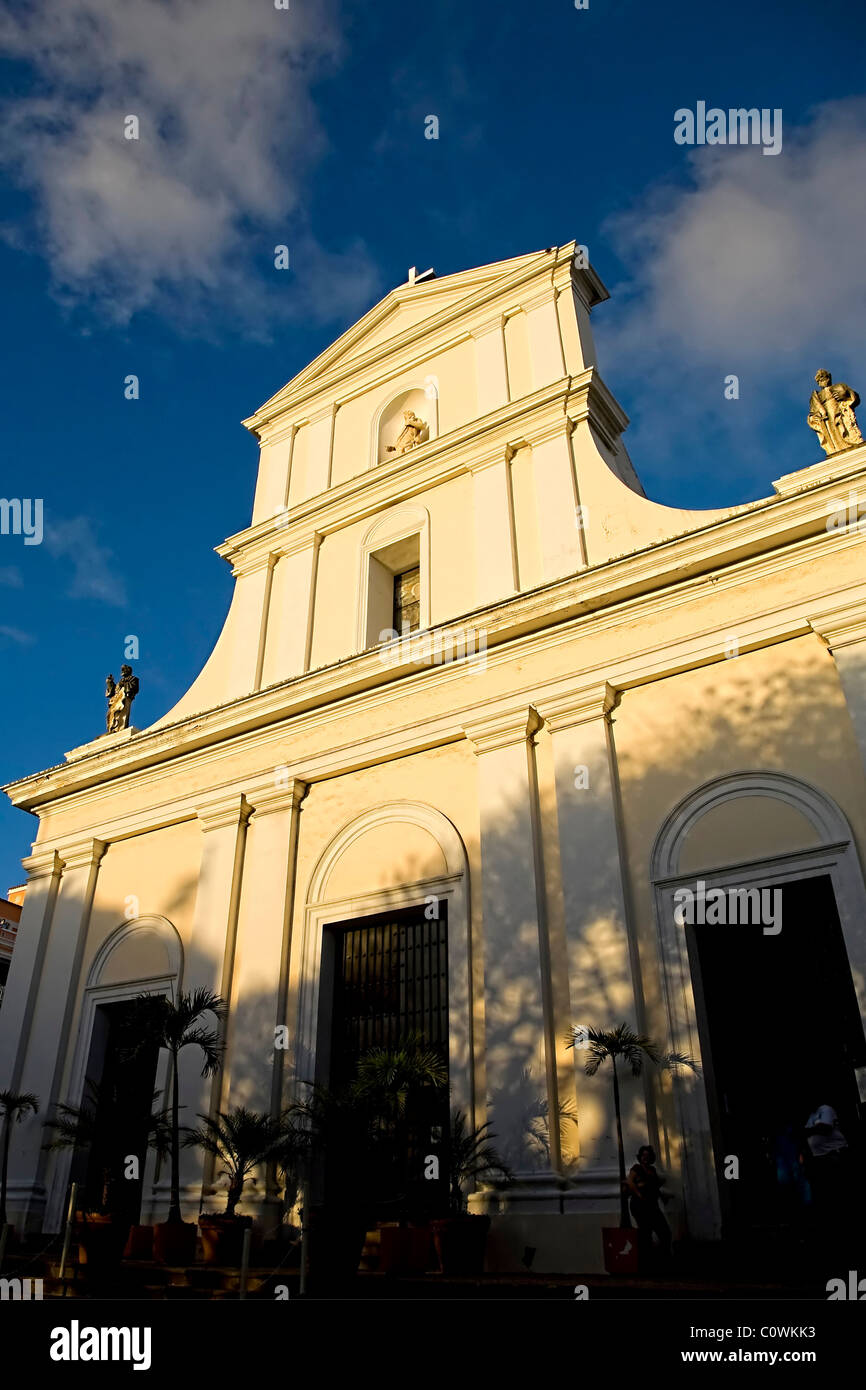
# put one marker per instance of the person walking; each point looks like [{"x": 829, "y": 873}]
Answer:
[{"x": 645, "y": 1192}]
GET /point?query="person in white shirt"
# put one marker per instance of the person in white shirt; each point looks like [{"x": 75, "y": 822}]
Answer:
[
  {"x": 823, "y": 1132},
  {"x": 829, "y": 1167}
]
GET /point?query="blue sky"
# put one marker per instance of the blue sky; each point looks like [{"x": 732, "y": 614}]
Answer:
[{"x": 306, "y": 127}]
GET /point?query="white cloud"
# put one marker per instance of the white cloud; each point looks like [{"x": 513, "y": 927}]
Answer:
[
  {"x": 187, "y": 215},
  {"x": 14, "y": 634},
  {"x": 96, "y": 573},
  {"x": 756, "y": 268},
  {"x": 11, "y": 577}
]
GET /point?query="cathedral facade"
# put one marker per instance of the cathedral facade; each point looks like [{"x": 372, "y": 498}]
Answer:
[{"x": 478, "y": 698}]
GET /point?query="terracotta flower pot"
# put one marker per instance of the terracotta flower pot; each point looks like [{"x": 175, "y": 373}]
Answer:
[
  {"x": 174, "y": 1242},
  {"x": 101, "y": 1240},
  {"x": 620, "y": 1249},
  {"x": 222, "y": 1238},
  {"x": 404, "y": 1249},
  {"x": 139, "y": 1244},
  {"x": 461, "y": 1242}
]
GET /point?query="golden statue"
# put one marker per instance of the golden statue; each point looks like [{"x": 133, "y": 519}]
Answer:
[
  {"x": 414, "y": 432},
  {"x": 120, "y": 697},
  {"x": 831, "y": 414}
]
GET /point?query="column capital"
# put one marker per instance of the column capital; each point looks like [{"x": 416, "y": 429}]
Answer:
[
  {"x": 492, "y": 326},
  {"x": 548, "y": 295},
  {"x": 842, "y": 626},
  {"x": 503, "y": 729},
  {"x": 222, "y": 809},
  {"x": 565, "y": 711},
  {"x": 556, "y": 427},
  {"x": 42, "y": 863},
  {"x": 82, "y": 854},
  {"x": 278, "y": 793}
]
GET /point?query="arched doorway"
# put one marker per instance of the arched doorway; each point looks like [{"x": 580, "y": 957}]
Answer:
[
  {"x": 385, "y": 958},
  {"x": 112, "y": 1077},
  {"x": 760, "y": 904}
]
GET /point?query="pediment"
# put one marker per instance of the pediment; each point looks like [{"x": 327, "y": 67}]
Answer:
[{"x": 403, "y": 309}]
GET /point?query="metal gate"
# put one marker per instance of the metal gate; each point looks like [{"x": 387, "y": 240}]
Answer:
[{"x": 390, "y": 982}]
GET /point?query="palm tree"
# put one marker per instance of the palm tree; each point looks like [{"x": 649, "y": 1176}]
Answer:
[
  {"x": 393, "y": 1077},
  {"x": 13, "y": 1107},
  {"x": 470, "y": 1154},
  {"x": 242, "y": 1139},
  {"x": 400, "y": 1085},
  {"x": 175, "y": 1026},
  {"x": 632, "y": 1050}
]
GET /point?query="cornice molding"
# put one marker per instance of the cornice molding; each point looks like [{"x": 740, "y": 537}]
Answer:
[
  {"x": 268, "y": 797},
  {"x": 84, "y": 853},
  {"x": 504, "y": 729},
  {"x": 42, "y": 863},
  {"x": 629, "y": 591},
  {"x": 219, "y": 810},
  {"x": 429, "y": 465},
  {"x": 842, "y": 626},
  {"x": 495, "y": 325},
  {"x": 583, "y": 706}
]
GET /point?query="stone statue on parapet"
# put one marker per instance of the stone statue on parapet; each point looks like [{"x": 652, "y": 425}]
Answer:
[
  {"x": 120, "y": 696},
  {"x": 831, "y": 414},
  {"x": 414, "y": 432}
]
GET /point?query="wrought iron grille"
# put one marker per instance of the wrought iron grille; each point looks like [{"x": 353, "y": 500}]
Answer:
[{"x": 391, "y": 981}]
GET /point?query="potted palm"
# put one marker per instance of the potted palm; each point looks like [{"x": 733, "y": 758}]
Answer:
[
  {"x": 631, "y": 1050},
  {"x": 241, "y": 1140},
  {"x": 401, "y": 1085},
  {"x": 175, "y": 1026},
  {"x": 460, "y": 1238},
  {"x": 14, "y": 1107}
]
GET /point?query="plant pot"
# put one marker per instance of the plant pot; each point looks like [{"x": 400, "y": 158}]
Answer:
[
  {"x": 404, "y": 1249},
  {"x": 620, "y": 1249},
  {"x": 174, "y": 1242},
  {"x": 139, "y": 1243},
  {"x": 101, "y": 1239},
  {"x": 461, "y": 1243},
  {"x": 222, "y": 1238}
]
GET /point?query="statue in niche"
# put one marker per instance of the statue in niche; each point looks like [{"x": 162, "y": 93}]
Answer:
[
  {"x": 831, "y": 414},
  {"x": 414, "y": 432},
  {"x": 120, "y": 696}
]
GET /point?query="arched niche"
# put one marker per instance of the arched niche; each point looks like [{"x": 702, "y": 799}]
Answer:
[
  {"x": 136, "y": 952},
  {"x": 422, "y": 399},
  {"x": 426, "y": 859}
]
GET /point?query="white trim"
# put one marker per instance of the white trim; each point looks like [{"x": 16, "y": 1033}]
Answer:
[
  {"x": 822, "y": 813},
  {"x": 320, "y": 911},
  {"x": 836, "y": 857}
]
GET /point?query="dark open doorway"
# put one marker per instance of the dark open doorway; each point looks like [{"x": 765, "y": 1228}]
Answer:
[
  {"x": 385, "y": 985},
  {"x": 781, "y": 1033},
  {"x": 119, "y": 1090}
]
